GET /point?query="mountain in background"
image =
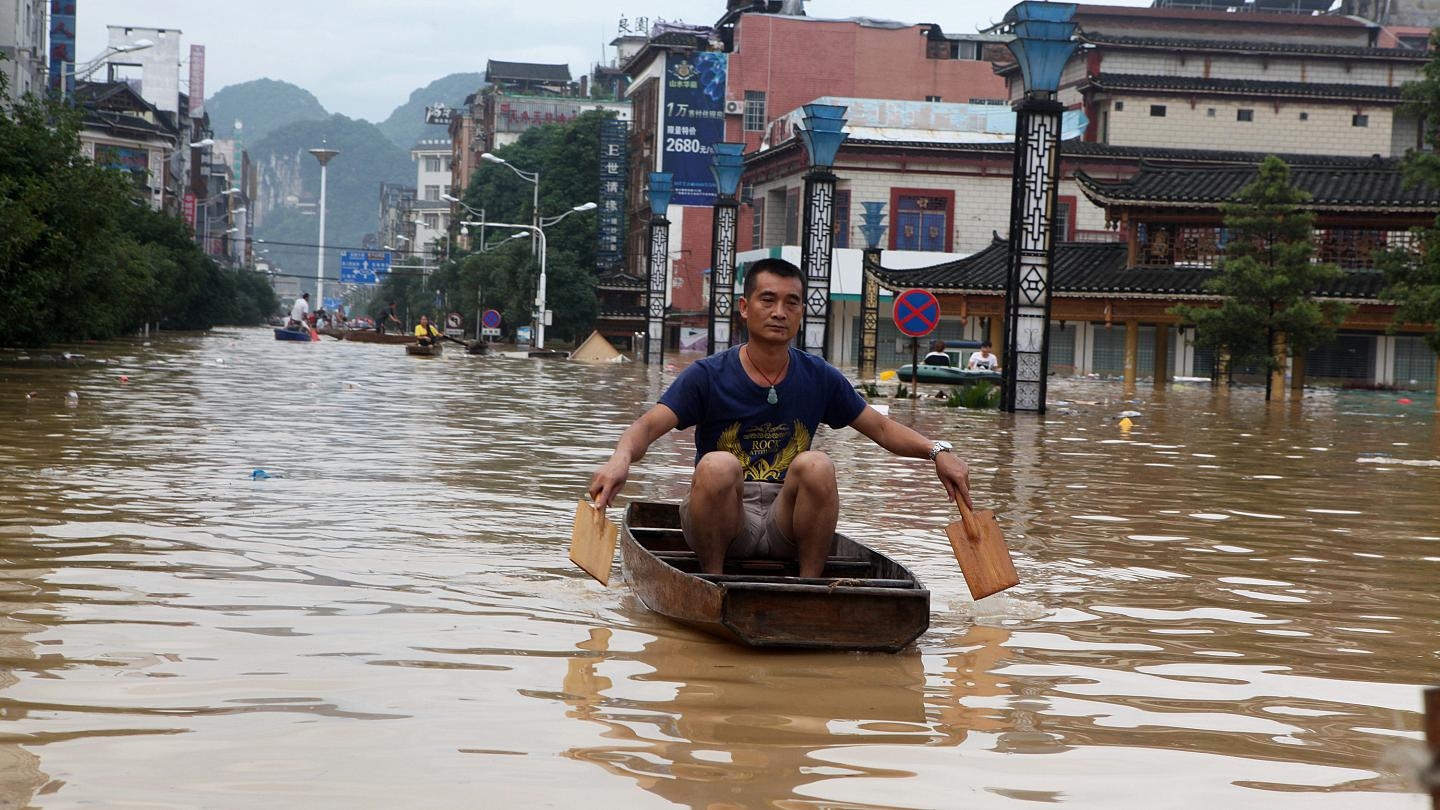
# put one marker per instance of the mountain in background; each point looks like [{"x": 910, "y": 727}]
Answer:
[
  {"x": 287, "y": 203},
  {"x": 263, "y": 105},
  {"x": 406, "y": 124}
]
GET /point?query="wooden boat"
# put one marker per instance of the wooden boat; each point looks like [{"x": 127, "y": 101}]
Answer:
[
  {"x": 371, "y": 336},
  {"x": 864, "y": 600},
  {"x": 285, "y": 333},
  {"x": 431, "y": 350},
  {"x": 946, "y": 375}
]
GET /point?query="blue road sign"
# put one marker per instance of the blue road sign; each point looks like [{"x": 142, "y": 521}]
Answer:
[
  {"x": 491, "y": 319},
  {"x": 363, "y": 266},
  {"x": 916, "y": 312}
]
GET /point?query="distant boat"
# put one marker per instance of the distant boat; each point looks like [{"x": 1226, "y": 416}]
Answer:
[
  {"x": 287, "y": 333},
  {"x": 416, "y": 350},
  {"x": 371, "y": 336},
  {"x": 946, "y": 375}
]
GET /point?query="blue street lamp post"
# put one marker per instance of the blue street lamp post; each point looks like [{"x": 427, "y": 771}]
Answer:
[
  {"x": 873, "y": 229},
  {"x": 822, "y": 135},
  {"x": 1042, "y": 46},
  {"x": 727, "y": 165},
  {"x": 662, "y": 185}
]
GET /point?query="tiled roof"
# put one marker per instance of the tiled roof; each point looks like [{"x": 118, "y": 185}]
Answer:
[
  {"x": 1243, "y": 87},
  {"x": 1256, "y": 47},
  {"x": 618, "y": 280},
  {"x": 1375, "y": 188},
  {"x": 526, "y": 71},
  {"x": 1084, "y": 269}
]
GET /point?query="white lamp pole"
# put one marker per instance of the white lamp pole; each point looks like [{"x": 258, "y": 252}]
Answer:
[{"x": 323, "y": 155}]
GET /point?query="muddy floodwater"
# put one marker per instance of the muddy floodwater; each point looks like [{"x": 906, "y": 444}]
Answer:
[{"x": 1227, "y": 605}]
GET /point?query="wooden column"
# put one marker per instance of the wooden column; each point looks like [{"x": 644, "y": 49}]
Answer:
[
  {"x": 1437, "y": 392},
  {"x": 1132, "y": 351},
  {"x": 1162, "y": 354},
  {"x": 1297, "y": 373},
  {"x": 1276, "y": 384},
  {"x": 997, "y": 339}
]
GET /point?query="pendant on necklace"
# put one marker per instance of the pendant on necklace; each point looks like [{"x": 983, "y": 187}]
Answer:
[{"x": 771, "y": 397}]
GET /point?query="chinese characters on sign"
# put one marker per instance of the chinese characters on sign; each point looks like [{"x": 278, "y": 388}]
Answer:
[
  {"x": 614, "y": 169},
  {"x": 62, "y": 46},
  {"x": 694, "y": 122},
  {"x": 363, "y": 267},
  {"x": 438, "y": 114}
]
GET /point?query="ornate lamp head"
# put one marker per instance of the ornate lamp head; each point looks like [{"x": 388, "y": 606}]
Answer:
[
  {"x": 1042, "y": 43},
  {"x": 823, "y": 133},
  {"x": 727, "y": 165},
  {"x": 662, "y": 185}
]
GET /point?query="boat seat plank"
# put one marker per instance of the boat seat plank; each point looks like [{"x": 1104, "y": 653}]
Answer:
[{"x": 848, "y": 582}]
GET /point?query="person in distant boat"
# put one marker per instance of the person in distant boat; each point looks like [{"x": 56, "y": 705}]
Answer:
[
  {"x": 760, "y": 488},
  {"x": 937, "y": 355},
  {"x": 983, "y": 359},
  {"x": 427, "y": 332},
  {"x": 387, "y": 316},
  {"x": 299, "y": 312}
]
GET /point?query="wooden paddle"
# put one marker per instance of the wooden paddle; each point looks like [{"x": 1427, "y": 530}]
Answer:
[
  {"x": 592, "y": 541},
  {"x": 980, "y": 549}
]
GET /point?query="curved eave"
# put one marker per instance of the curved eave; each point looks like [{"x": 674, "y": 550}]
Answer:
[
  {"x": 1105, "y": 201},
  {"x": 1297, "y": 91}
]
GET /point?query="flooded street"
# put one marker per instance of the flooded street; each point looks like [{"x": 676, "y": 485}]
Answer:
[{"x": 1227, "y": 603}]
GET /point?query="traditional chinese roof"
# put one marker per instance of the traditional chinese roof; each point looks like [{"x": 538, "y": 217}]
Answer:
[
  {"x": 1377, "y": 187},
  {"x": 618, "y": 280},
  {"x": 1089, "y": 270},
  {"x": 525, "y": 72},
  {"x": 1242, "y": 87},
  {"x": 1255, "y": 47}
]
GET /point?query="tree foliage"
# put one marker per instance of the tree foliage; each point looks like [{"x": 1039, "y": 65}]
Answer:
[
  {"x": 81, "y": 257},
  {"x": 1414, "y": 277},
  {"x": 1267, "y": 278},
  {"x": 567, "y": 158}
]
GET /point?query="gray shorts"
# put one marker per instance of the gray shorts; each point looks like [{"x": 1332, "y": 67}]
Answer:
[{"x": 760, "y": 535}]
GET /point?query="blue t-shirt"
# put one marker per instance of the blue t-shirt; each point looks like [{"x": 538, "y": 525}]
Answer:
[{"x": 731, "y": 412}]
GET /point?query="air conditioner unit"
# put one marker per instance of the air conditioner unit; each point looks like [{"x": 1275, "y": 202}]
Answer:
[{"x": 734, "y": 107}]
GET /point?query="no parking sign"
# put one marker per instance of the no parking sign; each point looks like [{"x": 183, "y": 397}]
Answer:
[{"x": 917, "y": 313}]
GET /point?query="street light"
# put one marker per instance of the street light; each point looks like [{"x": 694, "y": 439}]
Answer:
[
  {"x": 324, "y": 155},
  {"x": 727, "y": 164},
  {"x": 822, "y": 135},
  {"x": 82, "y": 70},
  {"x": 1042, "y": 46},
  {"x": 529, "y": 177},
  {"x": 205, "y": 206},
  {"x": 539, "y": 233},
  {"x": 661, "y": 188}
]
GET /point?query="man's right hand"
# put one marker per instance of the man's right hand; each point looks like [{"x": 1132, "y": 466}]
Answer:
[{"x": 607, "y": 481}]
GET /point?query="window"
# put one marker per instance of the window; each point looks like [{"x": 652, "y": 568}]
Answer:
[
  {"x": 932, "y": 98},
  {"x": 1244, "y": 115},
  {"x": 432, "y": 194},
  {"x": 842, "y": 219},
  {"x": 432, "y": 222},
  {"x": 1119, "y": 106},
  {"x": 1157, "y": 110},
  {"x": 922, "y": 221},
  {"x": 1210, "y": 113},
  {"x": 757, "y": 222},
  {"x": 1359, "y": 120},
  {"x": 432, "y": 163},
  {"x": 1304, "y": 116},
  {"x": 1064, "y": 227},
  {"x": 754, "y": 111}
]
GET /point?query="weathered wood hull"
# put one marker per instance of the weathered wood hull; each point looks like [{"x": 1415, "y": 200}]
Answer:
[
  {"x": 416, "y": 350},
  {"x": 864, "y": 601},
  {"x": 371, "y": 336}
]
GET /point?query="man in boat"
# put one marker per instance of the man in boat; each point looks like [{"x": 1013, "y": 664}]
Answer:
[
  {"x": 759, "y": 489},
  {"x": 299, "y": 313},
  {"x": 387, "y": 316},
  {"x": 937, "y": 355},
  {"x": 426, "y": 331},
  {"x": 983, "y": 359}
]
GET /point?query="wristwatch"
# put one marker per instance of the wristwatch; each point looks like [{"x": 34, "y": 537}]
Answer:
[{"x": 939, "y": 447}]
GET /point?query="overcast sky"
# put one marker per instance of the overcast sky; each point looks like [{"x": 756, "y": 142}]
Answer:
[{"x": 363, "y": 58}]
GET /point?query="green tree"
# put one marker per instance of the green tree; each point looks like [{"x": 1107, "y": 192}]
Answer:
[
  {"x": 567, "y": 158},
  {"x": 81, "y": 257},
  {"x": 1268, "y": 280},
  {"x": 1414, "y": 276}
]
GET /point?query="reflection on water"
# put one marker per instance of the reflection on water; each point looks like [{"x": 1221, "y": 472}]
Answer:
[{"x": 1225, "y": 602}]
